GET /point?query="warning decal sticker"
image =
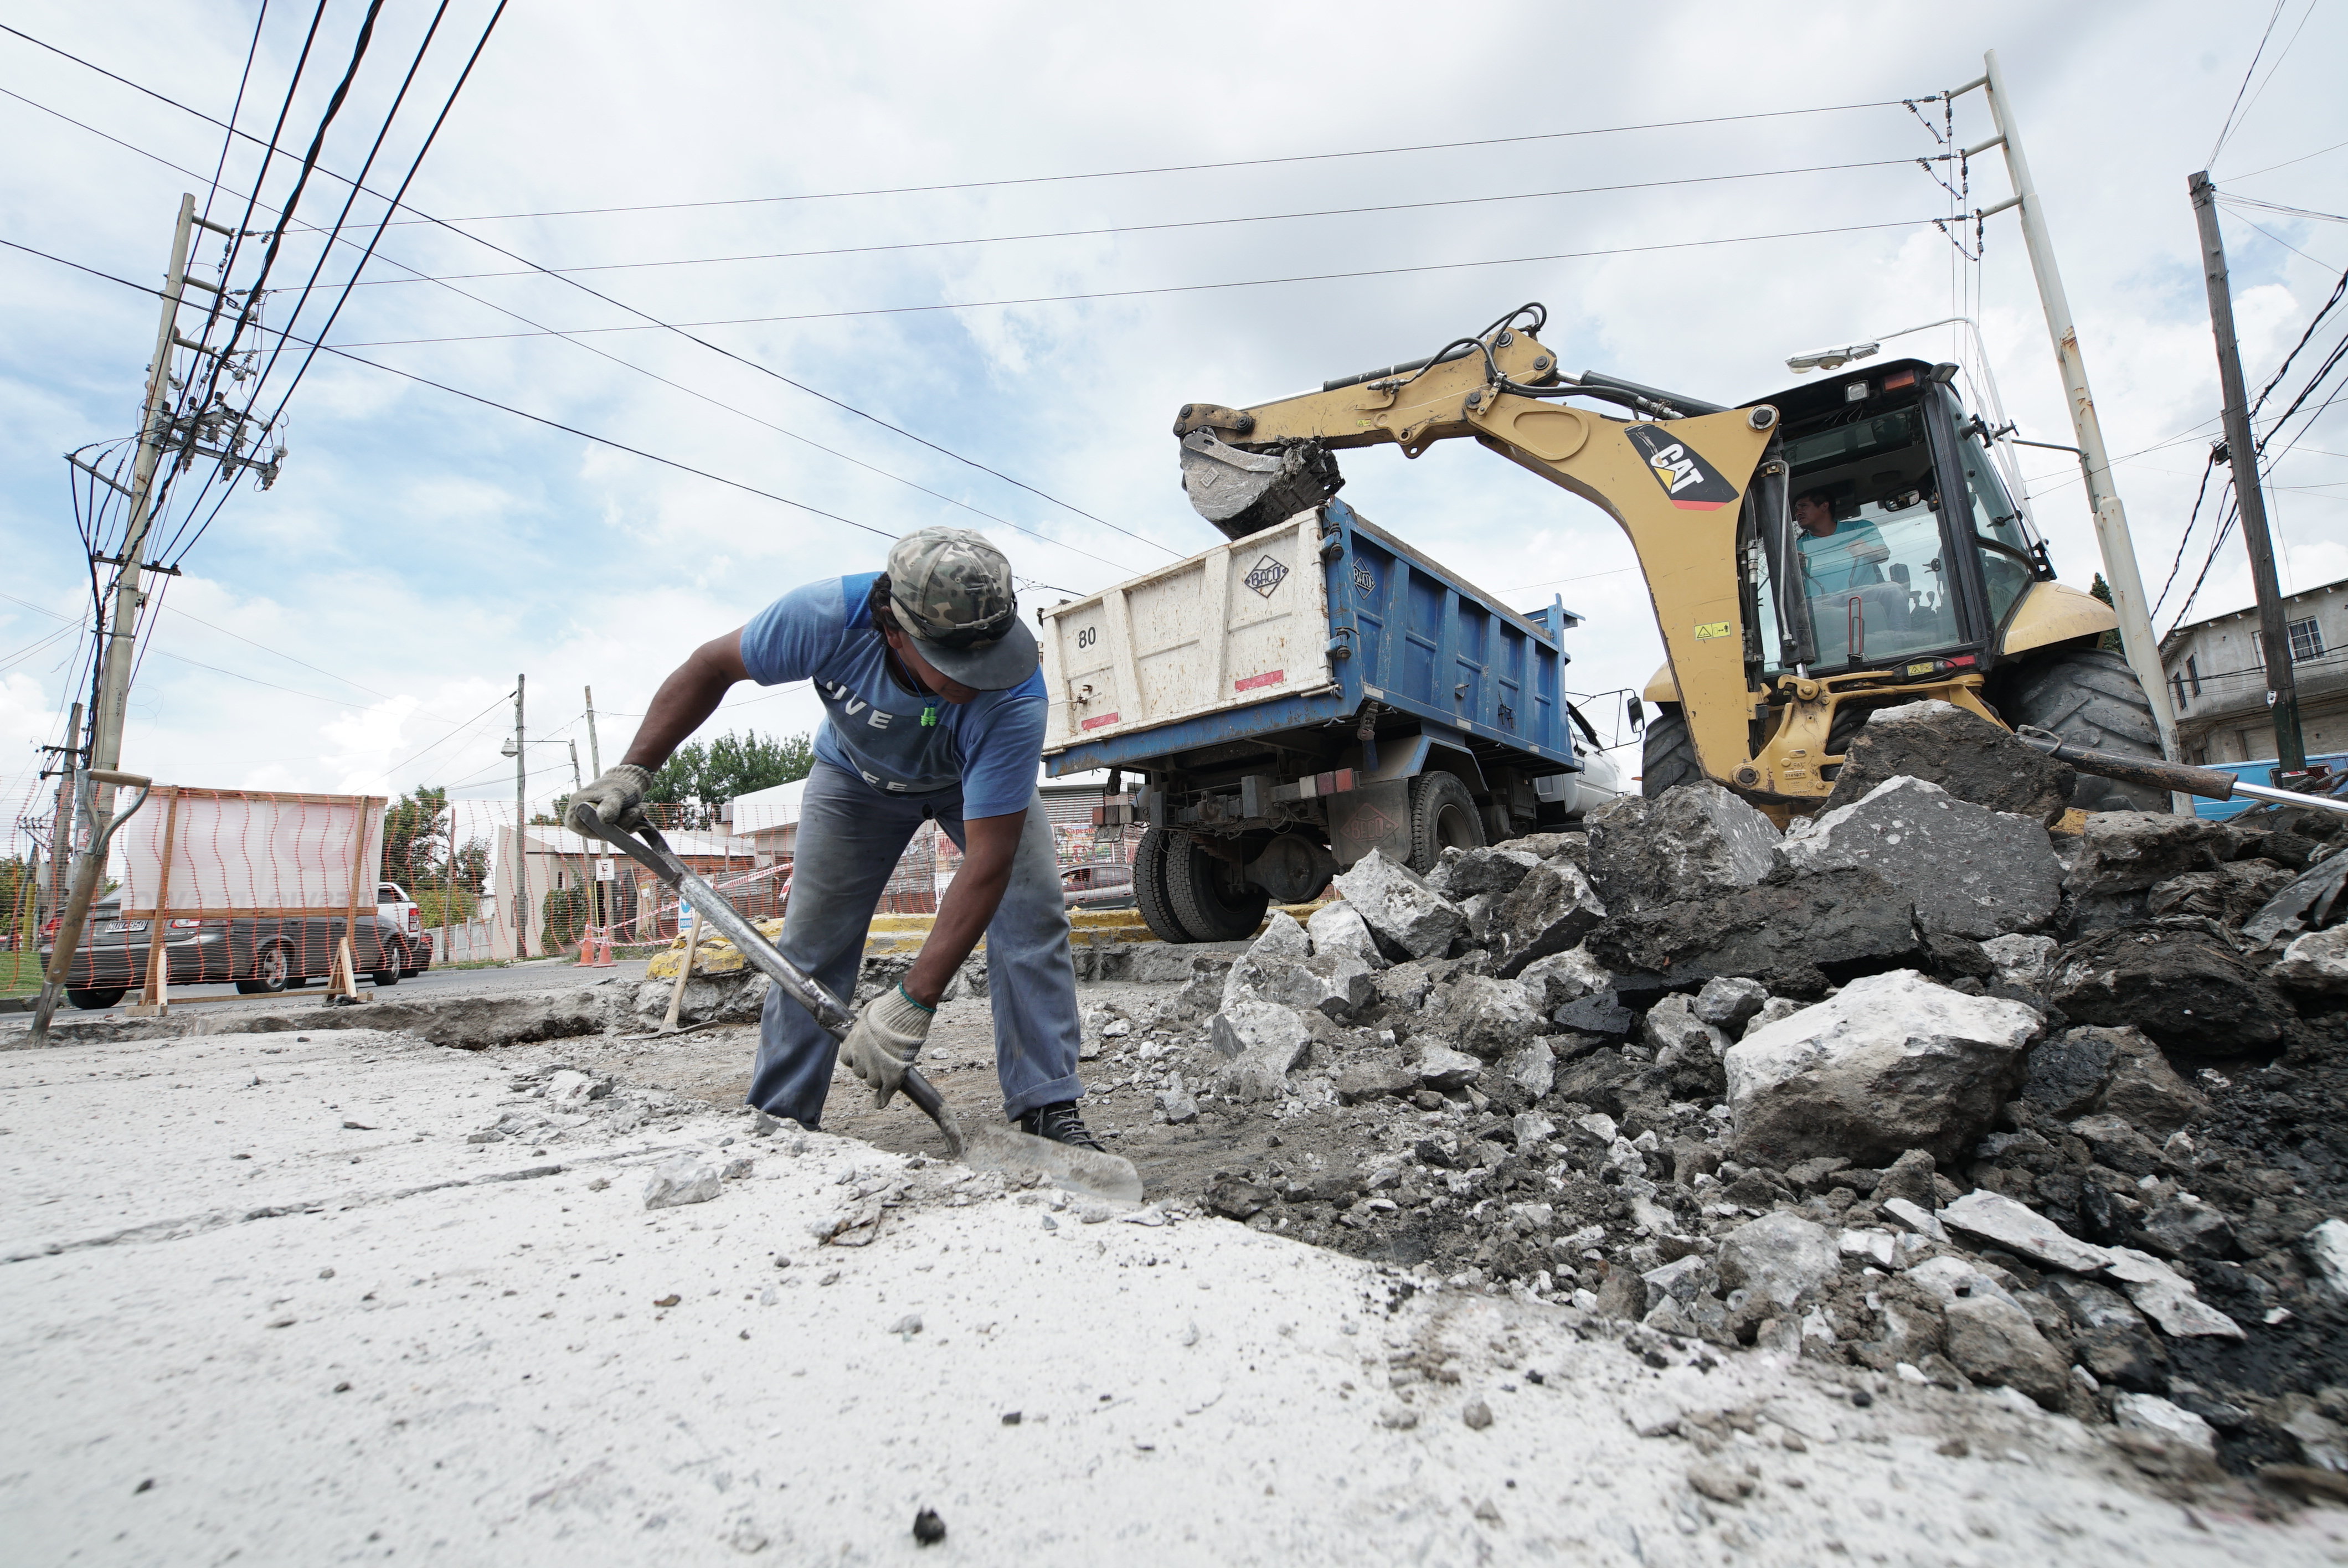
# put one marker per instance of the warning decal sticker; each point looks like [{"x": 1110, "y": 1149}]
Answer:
[{"x": 1692, "y": 484}]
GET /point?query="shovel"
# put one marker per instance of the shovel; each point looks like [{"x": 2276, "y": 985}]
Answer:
[{"x": 988, "y": 1146}]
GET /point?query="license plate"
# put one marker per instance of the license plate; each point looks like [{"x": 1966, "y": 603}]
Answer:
[{"x": 127, "y": 925}]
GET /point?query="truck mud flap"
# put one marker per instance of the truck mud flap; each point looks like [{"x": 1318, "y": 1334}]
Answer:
[{"x": 1375, "y": 816}]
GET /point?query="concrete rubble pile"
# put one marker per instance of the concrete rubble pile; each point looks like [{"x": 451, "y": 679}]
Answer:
[{"x": 1924, "y": 1085}]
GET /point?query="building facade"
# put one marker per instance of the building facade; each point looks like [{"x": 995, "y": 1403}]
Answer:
[{"x": 2218, "y": 678}]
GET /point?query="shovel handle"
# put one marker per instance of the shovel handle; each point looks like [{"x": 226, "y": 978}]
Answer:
[
  {"x": 828, "y": 1011},
  {"x": 2211, "y": 784}
]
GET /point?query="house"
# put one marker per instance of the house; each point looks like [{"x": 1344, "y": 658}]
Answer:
[
  {"x": 769, "y": 820},
  {"x": 2218, "y": 682},
  {"x": 558, "y": 861}
]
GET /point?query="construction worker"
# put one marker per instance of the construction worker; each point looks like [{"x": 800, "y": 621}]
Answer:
[{"x": 933, "y": 707}]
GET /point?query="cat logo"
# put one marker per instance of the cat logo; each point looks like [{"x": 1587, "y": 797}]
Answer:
[{"x": 1692, "y": 484}]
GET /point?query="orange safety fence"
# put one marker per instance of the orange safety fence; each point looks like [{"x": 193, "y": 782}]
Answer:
[{"x": 257, "y": 889}]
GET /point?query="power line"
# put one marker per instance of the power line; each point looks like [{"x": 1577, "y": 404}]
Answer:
[
  {"x": 591, "y": 348},
  {"x": 343, "y": 298},
  {"x": 650, "y": 319},
  {"x": 2233, "y": 110},
  {"x": 1153, "y": 228},
  {"x": 556, "y": 423},
  {"x": 236, "y": 109},
  {"x": 2286, "y": 163},
  {"x": 1168, "y": 289},
  {"x": 1162, "y": 168}
]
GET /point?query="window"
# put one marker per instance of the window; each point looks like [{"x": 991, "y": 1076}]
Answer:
[
  {"x": 2306, "y": 641},
  {"x": 2193, "y": 675}
]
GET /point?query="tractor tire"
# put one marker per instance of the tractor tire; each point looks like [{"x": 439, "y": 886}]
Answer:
[
  {"x": 1149, "y": 887},
  {"x": 1667, "y": 756},
  {"x": 2090, "y": 696},
  {"x": 1211, "y": 897},
  {"x": 1443, "y": 815}
]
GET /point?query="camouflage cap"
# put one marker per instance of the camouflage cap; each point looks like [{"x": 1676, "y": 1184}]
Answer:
[{"x": 952, "y": 594}]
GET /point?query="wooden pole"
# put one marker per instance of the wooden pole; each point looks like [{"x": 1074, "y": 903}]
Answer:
[
  {"x": 683, "y": 974},
  {"x": 151, "y": 1002},
  {"x": 2242, "y": 455}
]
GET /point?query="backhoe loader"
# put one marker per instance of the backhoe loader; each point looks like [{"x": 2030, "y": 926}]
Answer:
[{"x": 1836, "y": 547}]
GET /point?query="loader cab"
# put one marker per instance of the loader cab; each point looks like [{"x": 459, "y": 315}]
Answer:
[{"x": 1893, "y": 541}]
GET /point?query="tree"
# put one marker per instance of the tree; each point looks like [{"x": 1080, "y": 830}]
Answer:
[
  {"x": 2103, "y": 591},
  {"x": 414, "y": 851},
  {"x": 701, "y": 777}
]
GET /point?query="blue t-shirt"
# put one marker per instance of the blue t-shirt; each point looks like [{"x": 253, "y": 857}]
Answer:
[{"x": 874, "y": 726}]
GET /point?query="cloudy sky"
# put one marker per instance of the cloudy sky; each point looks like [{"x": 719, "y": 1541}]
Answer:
[{"x": 895, "y": 172}]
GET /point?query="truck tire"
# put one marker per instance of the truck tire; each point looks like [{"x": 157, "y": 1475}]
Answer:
[
  {"x": 1149, "y": 887},
  {"x": 94, "y": 998},
  {"x": 1443, "y": 815},
  {"x": 2089, "y": 695},
  {"x": 1211, "y": 897},
  {"x": 1667, "y": 757},
  {"x": 271, "y": 967},
  {"x": 394, "y": 959}
]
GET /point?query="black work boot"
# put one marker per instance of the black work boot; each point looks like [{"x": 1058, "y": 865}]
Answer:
[{"x": 1061, "y": 1124}]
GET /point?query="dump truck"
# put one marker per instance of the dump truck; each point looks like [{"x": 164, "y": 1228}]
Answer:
[{"x": 1303, "y": 694}]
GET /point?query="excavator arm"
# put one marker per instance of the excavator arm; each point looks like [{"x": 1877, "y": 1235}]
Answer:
[{"x": 1674, "y": 481}]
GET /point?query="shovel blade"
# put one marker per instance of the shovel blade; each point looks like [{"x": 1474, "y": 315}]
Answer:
[{"x": 991, "y": 1146}]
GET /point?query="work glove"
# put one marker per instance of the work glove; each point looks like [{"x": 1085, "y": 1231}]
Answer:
[
  {"x": 887, "y": 1038},
  {"x": 618, "y": 796}
]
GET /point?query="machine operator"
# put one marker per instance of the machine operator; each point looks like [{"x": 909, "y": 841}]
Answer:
[{"x": 1837, "y": 556}]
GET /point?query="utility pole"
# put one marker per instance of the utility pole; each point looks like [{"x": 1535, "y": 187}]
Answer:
[
  {"x": 118, "y": 650},
  {"x": 61, "y": 831},
  {"x": 594, "y": 752},
  {"x": 2136, "y": 640},
  {"x": 576, "y": 782},
  {"x": 521, "y": 830},
  {"x": 2242, "y": 455}
]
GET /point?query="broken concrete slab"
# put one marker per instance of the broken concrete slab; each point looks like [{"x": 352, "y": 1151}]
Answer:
[
  {"x": 1963, "y": 752},
  {"x": 1461, "y": 874},
  {"x": 2315, "y": 964},
  {"x": 1893, "y": 1062},
  {"x": 1410, "y": 919},
  {"x": 1548, "y": 912},
  {"x": 1974, "y": 872},
  {"x": 1673, "y": 1029},
  {"x": 1695, "y": 837},
  {"x": 1795, "y": 937},
  {"x": 1730, "y": 1002},
  {"x": 2120, "y": 1072},
  {"x": 1995, "y": 1342},
  {"x": 1783, "y": 1258},
  {"x": 2229, "y": 895},
  {"x": 1564, "y": 977},
  {"x": 2023, "y": 1231},
  {"x": 2130, "y": 851},
  {"x": 2151, "y": 1414},
  {"x": 1338, "y": 930},
  {"x": 2179, "y": 983},
  {"x": 1486, "y": 1017},
  {"x": 2020, "y": 959},
  {"x": 1440, "y": 1068}
]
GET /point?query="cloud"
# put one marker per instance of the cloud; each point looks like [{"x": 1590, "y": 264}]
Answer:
[{"x": 421, "y": 549}]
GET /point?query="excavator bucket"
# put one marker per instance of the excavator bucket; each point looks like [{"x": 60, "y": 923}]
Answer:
[{"x": 1244, "y": 493}]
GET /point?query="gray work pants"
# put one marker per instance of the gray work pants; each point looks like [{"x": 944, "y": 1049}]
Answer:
[{"x": 848, "y": 840}]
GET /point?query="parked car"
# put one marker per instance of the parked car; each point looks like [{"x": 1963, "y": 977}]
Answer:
[
  {"x": 1102, "y": 885},
  {"x": 261, "y": 954}
]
